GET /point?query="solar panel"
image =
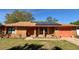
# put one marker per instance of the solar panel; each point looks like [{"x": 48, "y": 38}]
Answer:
[{"x": 46, "y": 23}]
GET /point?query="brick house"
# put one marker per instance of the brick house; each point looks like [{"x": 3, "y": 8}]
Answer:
[{"x": 39, "y": 29}]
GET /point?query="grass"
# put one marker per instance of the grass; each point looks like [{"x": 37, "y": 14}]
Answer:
[{"x": 36, "y": 44}]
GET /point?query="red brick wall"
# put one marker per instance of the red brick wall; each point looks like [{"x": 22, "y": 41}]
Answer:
[
  {"x": 23, "y": 31},
  {"x": 20, "y": 31},
  {"x": 65, "y": 32}
]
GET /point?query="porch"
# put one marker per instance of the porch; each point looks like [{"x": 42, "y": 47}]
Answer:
[{"x": 40, "y": 32}]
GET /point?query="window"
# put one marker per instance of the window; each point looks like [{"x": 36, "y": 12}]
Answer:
[
  {"x": 11, "y": 30},
  {"x": 78, "y": 28}
]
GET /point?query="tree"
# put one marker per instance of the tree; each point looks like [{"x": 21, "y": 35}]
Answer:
[
  {"x": 1, "y": 32},
  {"x": 75, "y": 22},
  {"x": 50, "y": 19},
  {"x": 0, "y": 24},
  {"x": 19, "y": 15}
]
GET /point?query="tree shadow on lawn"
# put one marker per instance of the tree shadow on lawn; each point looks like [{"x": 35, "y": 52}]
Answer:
[
  {"x": 57, "y": 48},
  {"x": 33, "y": 47},
  {"x": 27, "y": 47}
]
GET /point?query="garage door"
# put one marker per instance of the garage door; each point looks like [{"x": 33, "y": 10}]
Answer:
[{"x": 65, "y": 33}]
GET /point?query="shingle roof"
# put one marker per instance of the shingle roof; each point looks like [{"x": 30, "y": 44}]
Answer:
[
  {"x": 69, "y": 25},
  {"x": 39, "y": 24},
  {"x": 21, "y": 24}
]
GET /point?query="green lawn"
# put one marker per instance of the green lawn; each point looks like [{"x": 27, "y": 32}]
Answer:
[{"x": 21, "y": 44}]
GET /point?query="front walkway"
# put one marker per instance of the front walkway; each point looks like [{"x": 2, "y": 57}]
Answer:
[
  {"x": 71, "y": 40},
  {"x": 74, "y": 41},
  {"x": 31, "y": 38}
]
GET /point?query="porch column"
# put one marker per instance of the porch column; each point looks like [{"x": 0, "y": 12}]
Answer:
[
  {"x": 44, "y": 32},
  {"x": 5, "y": 30},
  {"x": 35, "y": 32},
  {"x": 48, "y": 31},
  {"x": 38, "y": 32},
  {"x": 26, "y": 32}
]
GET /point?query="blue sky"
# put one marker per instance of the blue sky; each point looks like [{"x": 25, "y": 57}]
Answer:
[{"x": 63, "y": 15}]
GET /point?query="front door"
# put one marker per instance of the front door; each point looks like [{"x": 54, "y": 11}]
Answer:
[{"x": 30, "y": 31}]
